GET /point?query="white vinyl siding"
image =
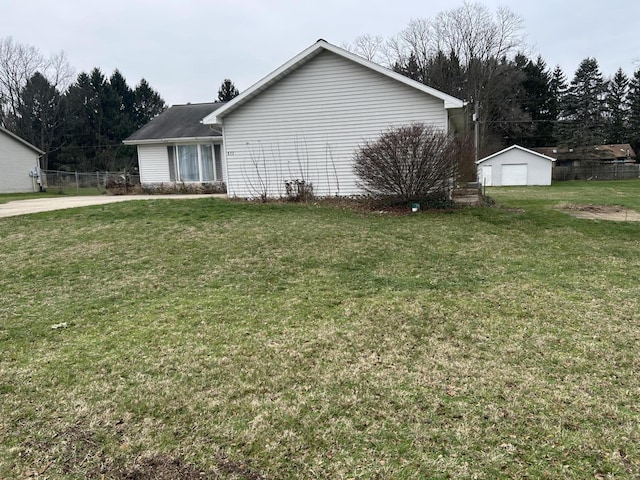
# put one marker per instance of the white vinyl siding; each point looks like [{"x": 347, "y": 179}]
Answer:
[
  {"x": 153, "y": 163},
  {"x": 16, "y": 161},
  {"x": 308, "y": 126}
]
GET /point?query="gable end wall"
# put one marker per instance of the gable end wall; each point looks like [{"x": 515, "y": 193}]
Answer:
[{"x": 308, "y": 126}]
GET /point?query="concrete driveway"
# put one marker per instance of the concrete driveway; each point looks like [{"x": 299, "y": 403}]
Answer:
[{"x": 35, "y": 205}]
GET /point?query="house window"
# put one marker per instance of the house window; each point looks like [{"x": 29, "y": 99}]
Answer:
[
  {"x": 171, "y": 153},
  {"x": 198, "y": 163}
]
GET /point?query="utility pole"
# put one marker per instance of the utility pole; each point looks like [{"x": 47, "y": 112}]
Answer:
[{"x": 476, "y": 130}]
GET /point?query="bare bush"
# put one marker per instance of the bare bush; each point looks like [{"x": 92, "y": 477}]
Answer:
[
  {"x": 409, "y": 162},
  {"x": 298, "y": 190}
]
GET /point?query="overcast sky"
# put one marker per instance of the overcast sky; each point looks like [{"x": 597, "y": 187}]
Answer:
[{"x": 186, "y": 48}]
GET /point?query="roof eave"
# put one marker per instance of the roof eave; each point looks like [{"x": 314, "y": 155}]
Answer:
[
  {"x": 504, "y": 150},
  {"x": 147, "y": 141}
]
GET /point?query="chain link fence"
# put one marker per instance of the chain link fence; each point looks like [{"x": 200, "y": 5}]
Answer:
[{"x": 87, "y": 182}]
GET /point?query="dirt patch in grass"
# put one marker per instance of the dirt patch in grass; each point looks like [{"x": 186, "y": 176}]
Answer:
[
  {"x": 162, "y": 467},
  {"x": 80, "y": 452},
  {"x": 614, "y": 213}
]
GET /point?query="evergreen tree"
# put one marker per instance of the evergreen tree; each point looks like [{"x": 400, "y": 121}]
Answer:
[
  {"x": 147, "y": 105},
  {"x": 99, "y": 114},
  {"x": 506, "y": 121},
  {"x": 558, "y": 89},
  {"x": 445, "y": 73},
  {"x": 537, "y": 103},
  {"x": 227, "y": 91},
  {"x": 78, "y": 108},
  {"x": 411, "y": 69},
  {"x": 617, "y": 103},
  {"x": 39, "y": 115},
  {"x": 585, "y": 107},
  {"x": 634, "y": 110},
  {"x": 124, "y": 124}
]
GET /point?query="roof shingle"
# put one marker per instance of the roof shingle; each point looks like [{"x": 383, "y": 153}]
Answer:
[{"x": 179, "y": 121}]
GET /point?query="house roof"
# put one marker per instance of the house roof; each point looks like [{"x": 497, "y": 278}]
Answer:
[
  {"x": 598, "y": 152},
  {"x": 179, "y": 122},
  {"x": 21, "y": 140},
  {"x": 516, "y": 147},
  {"x": 306, "y": 55}
]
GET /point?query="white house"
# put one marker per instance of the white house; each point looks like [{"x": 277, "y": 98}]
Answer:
[
  {"x": 515, "y": 166},
  {"x": 176, "y": 147},
  {"x": 19, "y": 164},
  {"x": 302, "y": 122},
  {"x": 306, "y": 120}
]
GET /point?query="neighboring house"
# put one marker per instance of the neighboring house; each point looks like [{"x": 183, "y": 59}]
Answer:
[
  {"x": 515, "y": 166},
  {"x": 615, "y": 153},
  {"x": 176, "y": 147},
  {"x": 19, "y": 164}
]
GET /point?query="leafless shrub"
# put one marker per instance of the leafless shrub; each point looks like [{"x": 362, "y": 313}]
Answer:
[
  {"x": 409, "y": 162},
  {"x": 298, "y": 190}
]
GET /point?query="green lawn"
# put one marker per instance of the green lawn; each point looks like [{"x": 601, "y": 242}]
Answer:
[{"x": 283, "y": 341}]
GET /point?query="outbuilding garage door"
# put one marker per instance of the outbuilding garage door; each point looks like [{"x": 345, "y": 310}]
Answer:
[{"x": 514, "y": 174}]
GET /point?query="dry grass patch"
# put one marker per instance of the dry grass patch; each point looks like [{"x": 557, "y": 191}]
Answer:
[{"x": 614, "y": 213}]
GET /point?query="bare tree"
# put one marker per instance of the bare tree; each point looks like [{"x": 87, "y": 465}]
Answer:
[
  {"x": 410, "y": 162},
  {"x": 414, "y": 43},
  {"x": 472, "y": 40},
  {"x": 59, "y": 72},
  {"x": 366, "y": 46},
  {"x": 477, "y": 37},
  {"x": 18, "y": 63}
]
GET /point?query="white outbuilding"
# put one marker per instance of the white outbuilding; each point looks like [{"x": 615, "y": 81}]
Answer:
[{"x": 515, "y": 165}]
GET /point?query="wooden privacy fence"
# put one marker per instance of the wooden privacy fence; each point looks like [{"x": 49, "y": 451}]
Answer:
[{"x": 613, "y": 171}]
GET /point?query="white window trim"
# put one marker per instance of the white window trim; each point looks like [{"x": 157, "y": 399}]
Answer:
[{"x": 218, "y": 176}]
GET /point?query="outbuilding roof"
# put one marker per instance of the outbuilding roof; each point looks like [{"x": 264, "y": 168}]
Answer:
[
  {"x": 306, "y": 55},
  {"x": 179, "y": 122},
  {"x": 517, "y": 147}
]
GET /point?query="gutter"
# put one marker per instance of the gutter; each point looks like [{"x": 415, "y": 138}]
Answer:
[{"x": 170, "y": 140}]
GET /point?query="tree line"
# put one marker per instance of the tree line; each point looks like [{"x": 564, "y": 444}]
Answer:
[
  {"x": 469, "y": 52},
  {"x": 80, "y": 123},
  {"x": 477, "y": 55}
]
